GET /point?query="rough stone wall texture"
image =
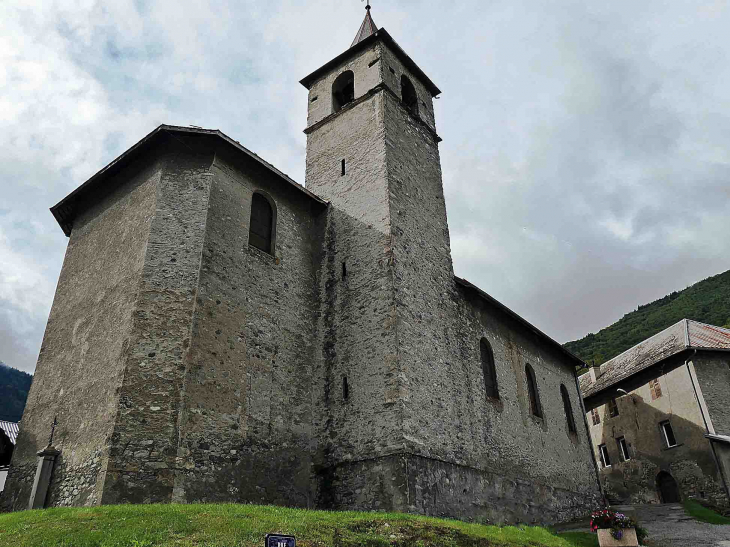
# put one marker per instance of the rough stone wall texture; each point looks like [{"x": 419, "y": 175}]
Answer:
[
  {"x": 145, "y": 438},
  {"x": 246, "y": 426},
  {"x": 81, "y": 362},
  {"x": 713, "y": 375},
  {"x": 691, "y": 462}
]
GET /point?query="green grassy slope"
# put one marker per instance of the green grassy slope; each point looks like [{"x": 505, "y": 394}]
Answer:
[
  {"x": 707, "y": 301},
  {"x": 14, "y": 386},
  {"x": 246, "y": 525}
]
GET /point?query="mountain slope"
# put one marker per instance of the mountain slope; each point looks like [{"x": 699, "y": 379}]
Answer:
[
  {"x": 707, "y": 301},
  {"x": 14, "y": 386}
]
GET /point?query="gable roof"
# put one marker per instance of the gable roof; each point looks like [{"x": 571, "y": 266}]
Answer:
[
  {"x": 686, "y": 334},
  {"x": 66, "y": 210},
  {"x": 11, "y": 429},
  {"x": 496, "y": 303},
  {"x": 380, "y": 34}
]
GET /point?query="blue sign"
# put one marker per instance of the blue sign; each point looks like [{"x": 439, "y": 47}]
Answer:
[{"x": 276, "y": 540}]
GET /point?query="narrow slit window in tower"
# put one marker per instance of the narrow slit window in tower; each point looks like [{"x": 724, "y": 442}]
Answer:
[
  {"x": 344, "y": 270},
  {"x": 345, "y": 389},
  {"x": 343, "y": 165}
]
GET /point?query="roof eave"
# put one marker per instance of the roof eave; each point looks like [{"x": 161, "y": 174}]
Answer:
[
  {"x": 519, "y": 319},
  {"x": 380, "y": 34}
]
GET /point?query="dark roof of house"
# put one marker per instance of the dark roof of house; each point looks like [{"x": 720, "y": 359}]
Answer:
[
  {"x": 11, "y": 429},
  {"x": 380, "y": 34},
  {"x": 686, "y": 334},
  {"x": 66, "y": 210},
  {"x": 491, "y": 300}
]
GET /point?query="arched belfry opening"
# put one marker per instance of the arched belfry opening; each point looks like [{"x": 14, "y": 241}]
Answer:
[
  {"x": 408, "y": 94},
  {"x": 343, "y": 90}
]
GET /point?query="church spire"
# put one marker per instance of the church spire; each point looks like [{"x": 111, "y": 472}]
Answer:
[{"x": 368, "y": 27}]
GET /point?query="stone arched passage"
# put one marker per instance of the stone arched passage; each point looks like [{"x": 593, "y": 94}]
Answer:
[{"x": 668, "y": 488}]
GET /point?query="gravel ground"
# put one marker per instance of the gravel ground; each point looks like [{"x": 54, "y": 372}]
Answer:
[{"x": 669, "y": 526}]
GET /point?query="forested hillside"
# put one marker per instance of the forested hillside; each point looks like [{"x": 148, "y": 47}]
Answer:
[
  {"x": 707, "y": 301},
  {"x": 14, "y": 386}
]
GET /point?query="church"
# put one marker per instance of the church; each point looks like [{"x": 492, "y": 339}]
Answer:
[{"x": 220, "y": 333}]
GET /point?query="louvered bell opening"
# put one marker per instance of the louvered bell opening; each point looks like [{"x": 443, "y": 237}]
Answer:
[{"x": 259, "y": 234}]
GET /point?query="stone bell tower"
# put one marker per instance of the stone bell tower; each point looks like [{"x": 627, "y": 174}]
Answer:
[{"x": 387, "y": 276}]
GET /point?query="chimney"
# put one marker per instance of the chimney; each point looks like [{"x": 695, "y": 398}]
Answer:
[{"x": 595, "y": 372}]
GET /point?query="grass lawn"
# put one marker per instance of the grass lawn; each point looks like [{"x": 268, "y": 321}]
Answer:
[
  {"x": 697, "y": 511},
  {"x": 229, "y": 525}
]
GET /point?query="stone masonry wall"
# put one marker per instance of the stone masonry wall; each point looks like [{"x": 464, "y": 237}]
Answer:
[
  {"x": 246, "y": 428},
  {"x": 145, "y": 439},
  {"x": 713, "y": 375},
  {"x": 81, "y": 361}
]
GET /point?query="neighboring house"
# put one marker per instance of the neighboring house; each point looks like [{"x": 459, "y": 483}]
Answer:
[
  {"x": 8, "y": 434},
  {"x": 659, "y": 417}
]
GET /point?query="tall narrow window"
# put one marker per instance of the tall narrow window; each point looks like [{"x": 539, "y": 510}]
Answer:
[
  {"x": 623, "y": 449},
  {"x": 343, "y": 90},
  {"x": 342, "y": 172},
  {"x": 595, "y": 416},
  {"x": 408, "y": 94},
  {"x": 489, "y": 370},
  {"x": 655, "y": 388},
  {"x": 568, "y": 408},
  {"x": 260, "y": 232},
  {"x": 669, "y": 437},
  {"x": 345, "y": 388},
  {"x": 603, "y": 451},
  {"x": 612, "y": 408},
  {"x": 535, "y": 407}
]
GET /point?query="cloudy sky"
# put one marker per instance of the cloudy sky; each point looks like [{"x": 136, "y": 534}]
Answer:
[{"x": 586, "y": 149}]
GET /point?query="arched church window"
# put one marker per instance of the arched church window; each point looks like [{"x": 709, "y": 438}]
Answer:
[
  {"x": 488, "y": 368},
  {"x": 408, "y": 94},
  {"x": 568, "y": 408},
  {"x": 343, "y": 90},
  {"x": 535, "y": 407},
  {"x": 261, "y": 229}
]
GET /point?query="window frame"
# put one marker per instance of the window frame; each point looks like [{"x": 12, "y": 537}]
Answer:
[
  {"x": 604, "y": 455},
  {"x": 612, "y": 405},
  {"x": 655, "y": 388},
  {"x": 595, "y": 416},
  {"x": 489, "y": 369},
  {"x": 623, "y": 448},
  {"x": 533, "y": 392},
  {"x": 272, "y": 236},
  {"x": 663, "y": 426},
  {"x": 568, "y": 408}
]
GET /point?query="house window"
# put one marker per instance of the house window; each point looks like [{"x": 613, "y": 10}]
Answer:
[
  {"x": 488, "y": 369},
  {"x": 612, "y": 408},
  {"x": 595, "y": 417},
  {"x": 623, "y": 449},
  {"x": 568, "y": 409},
  {"x": 668, "y": 432},
  {"x": 535, "y": 407},
  {"x": 408, "y": 94},
  {"x": 655, "y": 388},
  {"x": 343, "y": 90},
  {"x": 261, "y": 229},
  {"x": 603, "y": 451}
]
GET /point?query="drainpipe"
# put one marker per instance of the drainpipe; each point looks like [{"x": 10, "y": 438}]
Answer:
[
  {"x": 704, "y": 419},
  {"x": 590, "y": 440}
]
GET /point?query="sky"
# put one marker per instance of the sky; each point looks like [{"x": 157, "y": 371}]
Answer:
[{"x": 586, "y": 151}]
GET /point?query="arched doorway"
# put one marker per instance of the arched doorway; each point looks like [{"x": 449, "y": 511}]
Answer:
[{"x": 668, "y": 489}]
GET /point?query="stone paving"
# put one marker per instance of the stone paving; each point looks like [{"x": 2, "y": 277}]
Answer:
[{"x": 669, "y": 526}]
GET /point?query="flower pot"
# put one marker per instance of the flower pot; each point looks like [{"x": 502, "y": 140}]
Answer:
[{"x": 628, "y": 539}]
